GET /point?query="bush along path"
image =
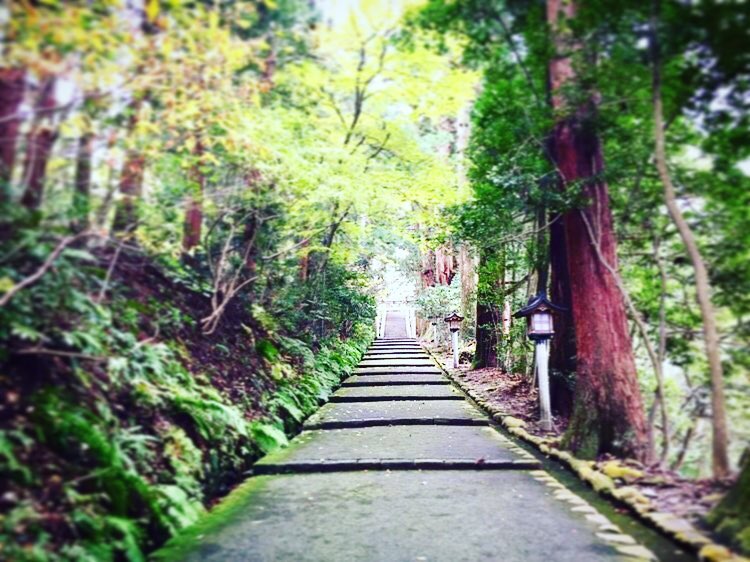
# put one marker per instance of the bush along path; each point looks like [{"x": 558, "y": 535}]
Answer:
[{"x": 400, "y": 466}]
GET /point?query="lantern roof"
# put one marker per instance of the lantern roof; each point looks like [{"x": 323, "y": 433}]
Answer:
[
  {"x": 453, "y": 317},
  {"x": 538, "y": 302}
]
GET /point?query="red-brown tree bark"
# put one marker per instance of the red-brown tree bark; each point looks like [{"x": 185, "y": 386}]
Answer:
[
  {"x": 131, "y": 179},
  {"x": 82, "y": 194},
  {"x": 445, "y": 265},
  {"x": 428, "y": 269},
  {"x": 12, "y": 88},
  {"x": 466, "y": 265},
  {"x": 562, "y": 360},
  {"x": 486, "y": 336},
  {"x": 131, "y": 190},
  {"x": 39, "y": 143},
  {"x": 608, "y": 412},
  {"x": 488, "y": 316},
  {"x": 193, "y": 222},
  {"x": 191, "y": 235}
]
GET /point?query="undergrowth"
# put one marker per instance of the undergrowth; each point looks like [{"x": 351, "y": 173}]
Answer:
[{"x": 120, "y": 422}]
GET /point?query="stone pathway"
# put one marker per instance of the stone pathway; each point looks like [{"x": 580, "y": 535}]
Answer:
[
  {"x": 399, "y": 466},
  {"x": 395, "y": 325}
]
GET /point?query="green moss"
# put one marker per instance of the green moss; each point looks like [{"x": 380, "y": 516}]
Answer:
[
  {"x": 223, "y": 514},
  {"x": 731, "y": 516},
  {"x": 582, "y": 435}
]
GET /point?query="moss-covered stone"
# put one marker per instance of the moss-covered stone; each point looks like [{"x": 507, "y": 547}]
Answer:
[
  {"x": 511, "y": 422},
  {"x": 714, "y": 553},
  {"x": 618, "y": 471}
]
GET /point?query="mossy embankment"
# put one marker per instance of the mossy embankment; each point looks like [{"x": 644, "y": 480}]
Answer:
[{"x": 120, "y": 421}]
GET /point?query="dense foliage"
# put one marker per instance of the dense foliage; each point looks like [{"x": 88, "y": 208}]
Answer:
[
  {"x": 192, "y": 197},
  {"x": 516, "y": 201}
]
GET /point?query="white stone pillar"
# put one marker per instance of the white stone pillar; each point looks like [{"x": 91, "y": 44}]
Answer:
[
  {"x": 542, "y": 363},
  {"x": 454, "y": 345}
]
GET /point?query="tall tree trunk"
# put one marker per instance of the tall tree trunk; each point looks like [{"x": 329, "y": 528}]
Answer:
[
  {"x": 269, "y": 65},
  {"x": 321, "y": 259},
  {"x": 12, "y": 88},
  {"x": 82, "y": 194},
  {"x": 660, "y": 401},
  {"x": 39, "y": 145},
  {"x": 562, "y": 360},
  {"x": 541, "y": 259},
  {"x": 428, "y": 268},
  {"x": 608, "y": 412},
  {"x": 101, "y": 215},
  {"x": 304, "y": 263},
  {"x": 720, "y": 434},
  {"x": 191, "y": 235},
  {"x": 131, "y": 180},
  {"x": 131, "y": 190},
  {"x": 467, "y": 263},
  {"x": 467, "y": 269},
  {"x": 445, "y": 265},
  {"x": 486, "y": 328}
]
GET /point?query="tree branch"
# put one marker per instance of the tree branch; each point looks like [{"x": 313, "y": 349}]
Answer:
[{"x": 44, "y": 268}]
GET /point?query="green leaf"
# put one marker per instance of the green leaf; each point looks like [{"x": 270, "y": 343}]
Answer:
[{"x": 268, "y": 436}]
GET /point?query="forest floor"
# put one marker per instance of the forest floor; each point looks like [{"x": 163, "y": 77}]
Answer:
[{"x": 517, "y": 395}]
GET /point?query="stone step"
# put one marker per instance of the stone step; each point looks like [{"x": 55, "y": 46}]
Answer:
[
  {"x": 382, "y": 422},
  {"x": 432, "y": 515},
  {"x": 464, "y": 445},
  {"x": 390, "y": 351},
  {"x": 395, "y": 340},
  {"x": 387, "y": 465},
  {"x": 396, "y": 346},
  {"x": 397, "y": 362},
  {"x": 364, "y": 414},
  {"x": 395, "y": 380},
  {"x": 386, "y": 398},
  {"x": 422, "y": 370},
  {"x": 396, "y": 357},
  {"x": 397, "y": 392}
]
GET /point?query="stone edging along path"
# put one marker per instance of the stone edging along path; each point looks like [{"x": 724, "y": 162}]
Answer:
[{"x": 678, "y": 529}]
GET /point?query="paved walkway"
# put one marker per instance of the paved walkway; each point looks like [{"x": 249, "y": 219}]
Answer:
[
  {"x": 395, "y": 325},
  {"x": 399, "y": 466}
]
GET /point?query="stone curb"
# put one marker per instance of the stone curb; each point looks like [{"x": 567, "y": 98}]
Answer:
[{"x": 678, "y": 529}]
